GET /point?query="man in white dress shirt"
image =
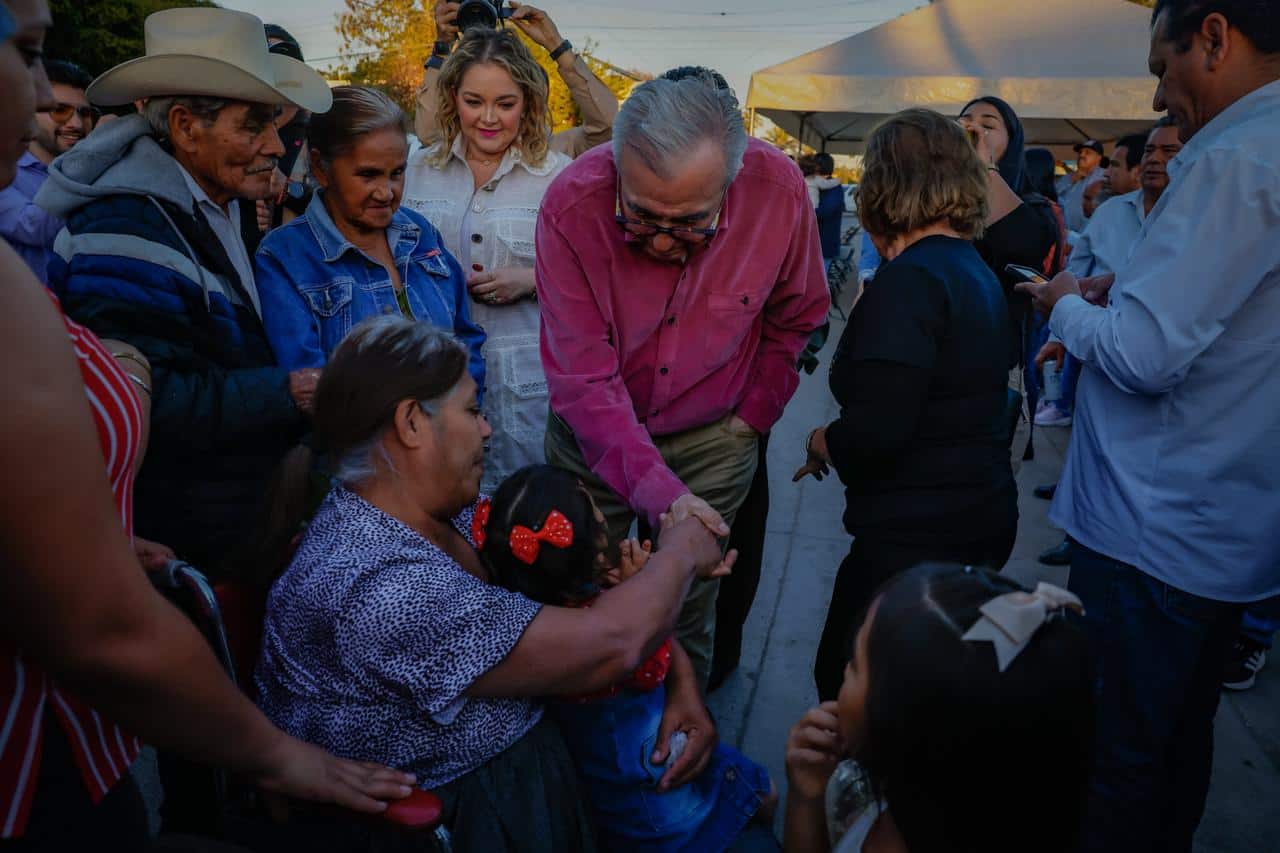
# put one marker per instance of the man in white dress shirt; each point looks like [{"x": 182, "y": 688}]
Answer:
[
  {"x": 1113, "y": 231},
  {"x": 1172, "y": 484}
]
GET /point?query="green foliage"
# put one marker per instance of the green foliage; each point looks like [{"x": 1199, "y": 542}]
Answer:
[
  {"x": 384, "y": 43},
  {"x": 100, "y": 34}
]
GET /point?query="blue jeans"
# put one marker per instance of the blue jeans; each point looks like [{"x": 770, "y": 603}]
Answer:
[{"x": 1159, "y": 655}]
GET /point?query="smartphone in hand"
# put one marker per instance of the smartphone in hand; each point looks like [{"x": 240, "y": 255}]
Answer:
[{"x": 1026, "y": 273}]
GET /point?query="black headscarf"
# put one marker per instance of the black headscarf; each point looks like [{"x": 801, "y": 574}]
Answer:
[{"x": 1012, "y": 165}]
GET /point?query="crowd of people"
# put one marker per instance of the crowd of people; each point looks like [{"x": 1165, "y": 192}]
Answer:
[{"x": 479, "y": 414}]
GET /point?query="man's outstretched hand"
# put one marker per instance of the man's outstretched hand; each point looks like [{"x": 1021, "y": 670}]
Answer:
[{"x": 692, "y": 506}]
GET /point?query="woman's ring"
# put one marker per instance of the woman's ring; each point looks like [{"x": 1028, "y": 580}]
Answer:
[{"x": 493, "y": 298}]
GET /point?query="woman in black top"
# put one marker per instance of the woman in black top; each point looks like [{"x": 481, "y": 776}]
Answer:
[
  {"x": 921, "y": 377},
  {"x": 1021, "y": 228}
]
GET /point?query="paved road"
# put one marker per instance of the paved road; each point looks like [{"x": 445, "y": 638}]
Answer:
[{"x": 805, "y": 544}]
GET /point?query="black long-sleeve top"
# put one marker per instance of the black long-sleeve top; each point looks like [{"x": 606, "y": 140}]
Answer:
[
  {"x": 920, "y": 375},
  {"x": 1025, "y": 236}
]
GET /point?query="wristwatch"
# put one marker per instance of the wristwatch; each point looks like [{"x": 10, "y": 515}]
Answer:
[
  {"x": 439, "y": 53},
  {"x": 561, "y": 49}
]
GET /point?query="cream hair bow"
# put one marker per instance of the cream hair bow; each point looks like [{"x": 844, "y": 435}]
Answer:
[{"x": 1009, "y": 621}]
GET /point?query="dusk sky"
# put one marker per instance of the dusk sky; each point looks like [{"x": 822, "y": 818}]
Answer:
[{"x": 735, "y": 38}]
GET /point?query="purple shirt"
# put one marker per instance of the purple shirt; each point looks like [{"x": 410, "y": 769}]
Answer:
[
  {"x": 633, "y": 347},
  {"x": 30, "y": 230},
  {"x": 373, "y": 636}
]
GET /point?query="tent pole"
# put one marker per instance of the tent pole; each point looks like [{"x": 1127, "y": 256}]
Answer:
[{"x": 800, "y": 136}]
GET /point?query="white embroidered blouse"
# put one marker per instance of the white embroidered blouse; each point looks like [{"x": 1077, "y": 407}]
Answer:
[{"x": 494, "y": 226}]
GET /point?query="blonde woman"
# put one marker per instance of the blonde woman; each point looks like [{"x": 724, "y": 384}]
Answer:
[{"x": 481, "y": 186}]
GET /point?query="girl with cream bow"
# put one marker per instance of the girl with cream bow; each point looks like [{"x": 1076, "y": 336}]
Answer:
[
  {"x": 967, "y": 705},
  {"x": 481, "y": 185}
]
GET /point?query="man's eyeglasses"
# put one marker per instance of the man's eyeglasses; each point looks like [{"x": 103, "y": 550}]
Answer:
[
  {"x": 684, "y": 233},
  {"x": 62, "y": 113}
]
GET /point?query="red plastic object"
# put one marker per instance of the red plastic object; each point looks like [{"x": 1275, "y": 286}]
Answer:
[{"x": 419, "y": 810}]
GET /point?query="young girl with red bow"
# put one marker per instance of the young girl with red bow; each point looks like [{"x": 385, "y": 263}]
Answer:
[{"x": 544, "y": 537}]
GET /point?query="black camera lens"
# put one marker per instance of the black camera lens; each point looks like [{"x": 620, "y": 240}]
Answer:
[{"x": 477, "y": 13}]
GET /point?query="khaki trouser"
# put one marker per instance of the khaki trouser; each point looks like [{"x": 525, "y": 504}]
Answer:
[{"x": 717, "y": 465}]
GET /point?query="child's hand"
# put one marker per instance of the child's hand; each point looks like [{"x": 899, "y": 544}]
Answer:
[
  {"x": 634, "y": 555},
  {"x": 814, "y": 748},
  {"x": 722, "y": 568}
]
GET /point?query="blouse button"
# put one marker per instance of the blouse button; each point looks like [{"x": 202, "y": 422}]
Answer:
[
  {"x": 477, "y": 209},
  {"x": 476, "y": 238}
]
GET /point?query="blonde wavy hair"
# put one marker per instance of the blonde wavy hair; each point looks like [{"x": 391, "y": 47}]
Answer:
[
  {"x": 920, "y": 168},
  {"x": 501, "y": 48}
]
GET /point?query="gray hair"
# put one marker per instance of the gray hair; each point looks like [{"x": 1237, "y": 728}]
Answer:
[
  {"x": 663, "y": 121},
  {"x": 156, "y": 111},
  {"x": 356, "y": 111},
  {"x": 382, "y": 361}
]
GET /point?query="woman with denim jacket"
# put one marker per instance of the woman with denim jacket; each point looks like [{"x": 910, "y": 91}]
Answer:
[
  {"x": 355, "y": 253},
  {"x": 482, "y": 185}
]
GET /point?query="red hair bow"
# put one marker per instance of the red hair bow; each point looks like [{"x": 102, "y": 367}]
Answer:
[
  {"x": 556, "y": 531},
  {"x": 480, "y": 522}
]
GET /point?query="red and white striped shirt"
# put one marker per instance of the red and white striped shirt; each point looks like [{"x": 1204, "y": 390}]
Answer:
[{"x": 101, "y": 748}]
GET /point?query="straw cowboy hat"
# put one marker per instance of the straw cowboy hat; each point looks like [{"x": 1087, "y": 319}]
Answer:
[{"x": 217, "y": 53}]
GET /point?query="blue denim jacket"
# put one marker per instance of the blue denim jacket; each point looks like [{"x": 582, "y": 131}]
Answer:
[{"x": 315, "y": 285}]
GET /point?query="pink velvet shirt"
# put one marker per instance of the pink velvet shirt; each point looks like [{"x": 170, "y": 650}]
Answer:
[{"x": 634, "y": 347}]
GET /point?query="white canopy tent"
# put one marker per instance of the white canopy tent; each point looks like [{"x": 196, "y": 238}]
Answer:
[{"x": 1072, "y": 69}]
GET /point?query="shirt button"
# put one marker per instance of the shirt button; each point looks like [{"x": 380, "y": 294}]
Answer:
[
  {"x": 671, "y": 321},
  {"x": 663, "y": 371},
  {"x": 476, "y": 238}
]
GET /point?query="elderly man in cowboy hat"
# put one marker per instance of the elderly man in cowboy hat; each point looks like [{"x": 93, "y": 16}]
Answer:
[{"x": 152, "y": 255}]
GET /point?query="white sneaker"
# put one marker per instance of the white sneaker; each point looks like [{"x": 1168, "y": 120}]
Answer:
[{"x": 1052, "y": 416}]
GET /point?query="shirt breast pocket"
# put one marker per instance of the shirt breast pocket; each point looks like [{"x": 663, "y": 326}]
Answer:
[
  {"x": 437, "y": 288},
  {"x": 330, "y": 304},
  {"x": 516, "y": 235},
  {"x": 731, "y": 315}
]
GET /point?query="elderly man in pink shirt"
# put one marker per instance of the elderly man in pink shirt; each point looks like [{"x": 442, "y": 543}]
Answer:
[{"x": 680, "y": 275}]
